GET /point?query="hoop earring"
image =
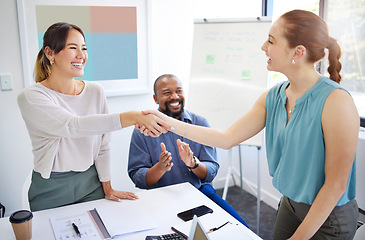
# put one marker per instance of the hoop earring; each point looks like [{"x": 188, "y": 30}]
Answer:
[{"x": 292, "y": 61}]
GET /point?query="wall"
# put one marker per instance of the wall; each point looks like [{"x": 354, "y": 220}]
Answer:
[
  {"x": 171, "y": 24},
  {"x": 15, "y": 146}
]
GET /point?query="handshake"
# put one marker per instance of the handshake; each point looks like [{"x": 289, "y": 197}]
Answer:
[{"x": 153, "y": 123}]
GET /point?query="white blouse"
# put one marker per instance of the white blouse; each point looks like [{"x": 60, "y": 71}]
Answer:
[{"x": 69, "y": 133}]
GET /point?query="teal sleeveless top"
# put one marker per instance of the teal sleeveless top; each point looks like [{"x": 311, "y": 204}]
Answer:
[{"x": 296, "y": 151}]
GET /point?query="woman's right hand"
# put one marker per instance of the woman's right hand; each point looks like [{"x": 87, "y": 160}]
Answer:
[
  {"x": 155, "y": 112},
  {"x": 152, "y": 124},
  {"x": 145, "y": 130}
]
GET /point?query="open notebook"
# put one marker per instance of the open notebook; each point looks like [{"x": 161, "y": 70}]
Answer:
[{"x": 109, "y": 221}]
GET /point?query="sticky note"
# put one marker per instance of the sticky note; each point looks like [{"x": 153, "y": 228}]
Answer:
[
  {"x": 210, "y": 59},
  {"x": 245, "y": 75}
]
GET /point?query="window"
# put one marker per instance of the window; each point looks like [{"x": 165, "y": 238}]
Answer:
[{"x": 346, "y": 23}]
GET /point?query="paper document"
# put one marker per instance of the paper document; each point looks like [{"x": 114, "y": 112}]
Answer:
[
  {"x": 105, "y": 222},
  {"x": 63, "y": 230},
  {"x": 120, "y": 218}
]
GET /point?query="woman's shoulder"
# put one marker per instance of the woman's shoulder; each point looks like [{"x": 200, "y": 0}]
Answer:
[
  {"x": 278, "y": 90},
  {"x": 280, "y": 85},
  {"x": 33, "y": 94},
  {"x": 328, "y": 82},
  {"x": 93, "y": 85},
  {"x": 325, "y": 87},
  {"x": 93, "y": 90},
  {"x": 32, "y": 89}
]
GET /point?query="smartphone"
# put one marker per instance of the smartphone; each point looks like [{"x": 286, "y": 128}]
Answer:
[{"x": 198, "y": 211}]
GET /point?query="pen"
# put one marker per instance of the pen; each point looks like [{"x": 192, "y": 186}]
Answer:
[
  {"x": 216, "y": 228},
  {"x": 180, "y": 233},
  {"x": 76, "y": 230}
]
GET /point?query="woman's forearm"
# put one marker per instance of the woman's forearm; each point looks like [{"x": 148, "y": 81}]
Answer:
[{"x": 203, "y": 135}]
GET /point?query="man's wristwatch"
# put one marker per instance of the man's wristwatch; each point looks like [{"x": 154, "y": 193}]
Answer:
[{"x": 196, "y": 163}]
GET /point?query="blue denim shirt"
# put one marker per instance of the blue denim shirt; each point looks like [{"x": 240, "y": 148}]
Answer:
[
  {"x": 296, "y": 150},
  {"x": 144, "y": 153}
]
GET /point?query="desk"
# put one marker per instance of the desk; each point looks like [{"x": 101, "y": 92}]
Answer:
[{"x": 163, "y": 204}]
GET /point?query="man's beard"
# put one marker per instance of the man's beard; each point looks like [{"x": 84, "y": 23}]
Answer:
[{"x": 177, "y": 115}]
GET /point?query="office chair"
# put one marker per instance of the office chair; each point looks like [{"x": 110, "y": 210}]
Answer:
[
  {"x": 360, "y": 233},
  {"x": 26, "y": 185}
]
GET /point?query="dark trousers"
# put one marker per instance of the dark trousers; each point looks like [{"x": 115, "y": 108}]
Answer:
[
  {"x": 340, "y": 224},
  {"x": 210, "y": 192},
  {"x": 64, "y": 188}
]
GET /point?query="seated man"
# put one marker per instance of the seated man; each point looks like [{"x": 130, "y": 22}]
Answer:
[{"x": 171, "y": 159}]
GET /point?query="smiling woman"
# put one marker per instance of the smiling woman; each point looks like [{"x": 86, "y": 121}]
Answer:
[
  {"x": 64, "y": 64},
  {"x": 311, "y": 131},
  {"x": 69, "y": 125}
]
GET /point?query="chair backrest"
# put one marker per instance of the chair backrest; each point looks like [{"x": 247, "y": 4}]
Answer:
[
  {"x": 26, "y": 185},
  {"x": 360, "y": 233},
  {"x": 2, "y": 210}
]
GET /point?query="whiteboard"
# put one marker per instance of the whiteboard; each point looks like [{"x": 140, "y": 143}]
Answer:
[{"x": 228, "y": 70}]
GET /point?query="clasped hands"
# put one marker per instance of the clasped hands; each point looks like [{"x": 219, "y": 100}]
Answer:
[
  {"x": 152, "y": 123},
  {"x": 185, "y": 153}
]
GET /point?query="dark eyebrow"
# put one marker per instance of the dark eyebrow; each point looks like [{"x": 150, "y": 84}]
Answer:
[{"x": 74, "y": 44}]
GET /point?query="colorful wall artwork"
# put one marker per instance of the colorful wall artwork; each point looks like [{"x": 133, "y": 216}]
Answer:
[{"x": 111, "y": 37}]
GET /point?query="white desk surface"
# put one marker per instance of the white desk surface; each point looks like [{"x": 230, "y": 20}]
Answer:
[{"x": 162, "y": 205}]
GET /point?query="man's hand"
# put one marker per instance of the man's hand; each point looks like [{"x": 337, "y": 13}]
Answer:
[
  {"x": 164, "y": 163},
  {"x": 185, "y": 153},
  {"x": 155, "y": 173}
]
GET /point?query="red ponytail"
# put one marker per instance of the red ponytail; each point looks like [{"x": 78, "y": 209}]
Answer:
[
  {"x": 308, "y": 29},
  {"x": 334, "y": 54}
]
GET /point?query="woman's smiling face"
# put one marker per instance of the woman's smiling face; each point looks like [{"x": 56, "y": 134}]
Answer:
[
  {"x": 277, "y": 49},
  {"x": 71, "y": 60}
]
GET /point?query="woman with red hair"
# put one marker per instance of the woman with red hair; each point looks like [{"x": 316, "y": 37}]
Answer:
[{"x": 311, "y": 125}]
